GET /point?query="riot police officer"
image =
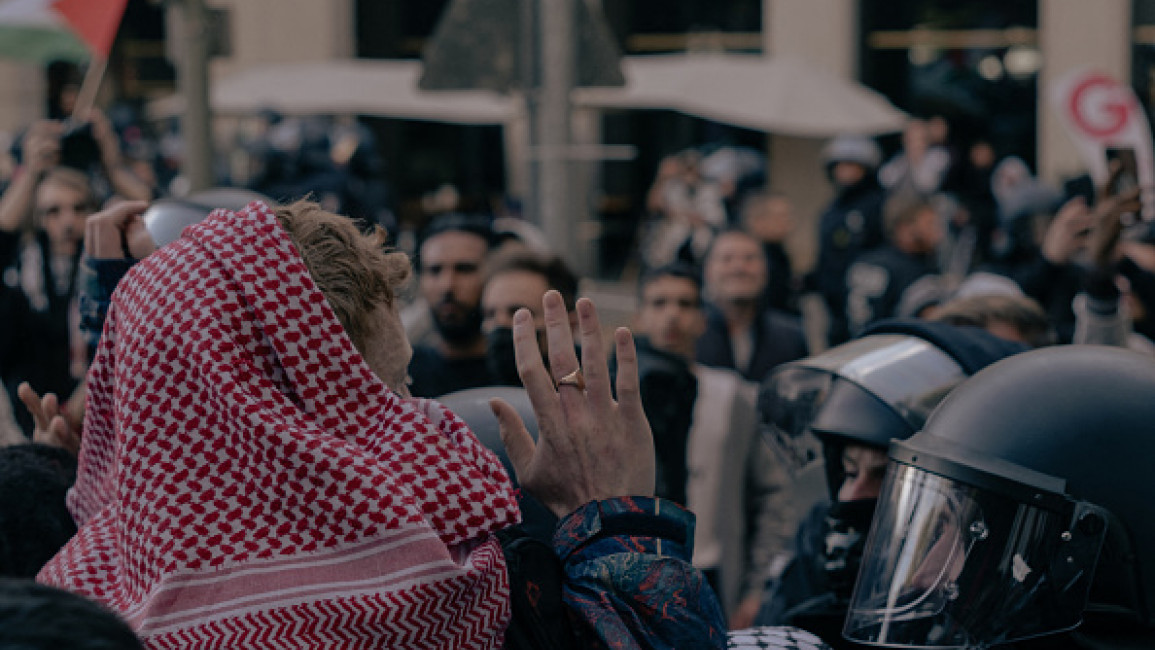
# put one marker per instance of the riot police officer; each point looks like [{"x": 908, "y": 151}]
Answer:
[
  {"x": 1023, "y": 509},
  {"x": 845, "y": 406},
  {"x": 851, "y": 224}
]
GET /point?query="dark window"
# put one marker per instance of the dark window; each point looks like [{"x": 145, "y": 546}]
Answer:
[
  {"x": 1143, "y": 53},
  {"x": 392, "y": 29},
  {"x": 973, "y": 62}
]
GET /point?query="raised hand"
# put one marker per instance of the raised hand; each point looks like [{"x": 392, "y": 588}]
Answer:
[
  {"x": 42, "y": 146},
  {"x": 1069, "y": 231},
  {"x": 589, "y": 447},
  {"x": 1108, "y": 219},
  {"x": 105, "y": 137},
  {"x": 51, "y": 427},
  {"x": 110, "y": 234}
]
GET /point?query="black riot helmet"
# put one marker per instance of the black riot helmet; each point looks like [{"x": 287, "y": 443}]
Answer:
[
  {"x": 1023, "y": 506},
  {"x": 876, "y": 388}
]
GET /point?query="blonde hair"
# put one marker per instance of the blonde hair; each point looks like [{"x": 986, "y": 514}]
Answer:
[
  {"x": 903, "y": 208},
  {"x": 71, "y": 179},
  {"x": 354, "y": 270},
  {"x": 1020, "y": 312}
]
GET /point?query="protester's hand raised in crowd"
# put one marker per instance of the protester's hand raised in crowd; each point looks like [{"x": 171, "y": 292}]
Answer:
[
  {"x": 1109, "y": 226},
  {"x": 117, "y": 231},
  {"x": 51, "y": 424},
  {"x": 41, "y": 146},
  {"x": 105, "y": 137},
  {"x": 1068, "y": 232},
  {"x": 589, "y": 447},
  {"x": 1109, "y": 211}
]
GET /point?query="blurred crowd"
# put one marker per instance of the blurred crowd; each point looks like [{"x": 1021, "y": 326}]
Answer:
[
  {"x": 909, "y": 236},
  {"x": 936, "y": 262}
]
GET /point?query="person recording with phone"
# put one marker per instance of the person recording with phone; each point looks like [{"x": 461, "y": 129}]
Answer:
[
  {"x": 1115, "y": 304},
  {"x": 1082, "y": 273},
  {"x": 42, "y": 221}
]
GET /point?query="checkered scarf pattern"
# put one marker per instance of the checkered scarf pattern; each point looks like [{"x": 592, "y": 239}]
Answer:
[{"x": 246, "y": 481}]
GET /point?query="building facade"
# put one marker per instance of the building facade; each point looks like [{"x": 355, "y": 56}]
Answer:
[{"x": 987, "y": 64}]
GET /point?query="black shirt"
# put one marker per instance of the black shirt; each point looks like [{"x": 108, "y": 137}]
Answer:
[
  {"x": 877, "y": 281},
  {"x": 433, "y": 375},
  {"x": 778, "y": 339}
]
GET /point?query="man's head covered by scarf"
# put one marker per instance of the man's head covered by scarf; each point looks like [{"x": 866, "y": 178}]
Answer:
[{"x": 247, "y": 479}]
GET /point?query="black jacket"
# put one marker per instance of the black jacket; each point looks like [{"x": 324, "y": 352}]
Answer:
[
  {"x": 432, "y": 375},
  {"x": 850, "y": 225},
  {"x": 876, "y": 282},
  {"x": 778, "y": 339},
  {"x": 35, "y": 344}
]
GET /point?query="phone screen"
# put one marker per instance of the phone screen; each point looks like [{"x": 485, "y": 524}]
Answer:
[{"x": 1128, "y": 178}]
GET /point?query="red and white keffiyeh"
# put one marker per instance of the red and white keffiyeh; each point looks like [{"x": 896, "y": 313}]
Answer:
[{"x": 246, "y": 481}]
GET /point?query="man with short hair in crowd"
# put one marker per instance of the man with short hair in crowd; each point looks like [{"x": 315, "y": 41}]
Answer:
[
  {"x": 741, "y": 332},
  {"x": 517, "y": 278},
  {"x": 709, "y": 453},
  {"x": 876, "y": 282},
  {"x": 450, "y": 261},
  {"x": 1013, "y": 317},
  {"x": 769, "y": 216}
]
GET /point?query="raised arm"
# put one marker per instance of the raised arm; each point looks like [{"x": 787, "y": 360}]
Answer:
[
  {"x": 626, "y": 555},
  {"x": 125, "y": 183},
  {"x": 41, "y": 152}
]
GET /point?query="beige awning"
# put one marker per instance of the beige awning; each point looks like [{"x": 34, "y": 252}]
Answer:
[
  {"x": 772, "y": 94},
  {"x": 386, "y": 88},
  {"x": 776, "y": 95}
]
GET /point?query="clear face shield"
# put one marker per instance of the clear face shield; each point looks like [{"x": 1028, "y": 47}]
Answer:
[{"x": 951, "y": 565}]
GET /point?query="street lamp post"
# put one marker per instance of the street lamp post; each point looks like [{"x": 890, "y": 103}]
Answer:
[
  {"x": 554, "y": 203},
  {"x": 192, "y": 56}
]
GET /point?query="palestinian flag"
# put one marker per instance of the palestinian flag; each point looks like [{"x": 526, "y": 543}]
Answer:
[{"x": 72, "y": 30}]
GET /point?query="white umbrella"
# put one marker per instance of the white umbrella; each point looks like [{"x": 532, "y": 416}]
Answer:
[
  {"x": 386, "y": 88},
  {"x": 773, "y": 94}
]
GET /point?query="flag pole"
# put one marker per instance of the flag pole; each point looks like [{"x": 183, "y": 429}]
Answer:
[{"x": 86, "y": 96}]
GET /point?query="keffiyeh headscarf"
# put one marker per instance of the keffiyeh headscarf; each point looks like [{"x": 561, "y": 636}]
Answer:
[{"x": 246, "y": 481}]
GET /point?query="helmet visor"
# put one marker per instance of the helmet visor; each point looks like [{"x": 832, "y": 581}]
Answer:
[
  {"x": 950, "y": 565},
  {"x": 787, "y": 408},
  {"x": 883, "y": 386}
]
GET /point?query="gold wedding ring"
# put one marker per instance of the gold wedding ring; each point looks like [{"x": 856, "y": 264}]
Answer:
[{"x": 575, "y": 378}]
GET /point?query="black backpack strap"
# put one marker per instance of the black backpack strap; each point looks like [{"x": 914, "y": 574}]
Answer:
[{"x": 536, "y": 576}]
